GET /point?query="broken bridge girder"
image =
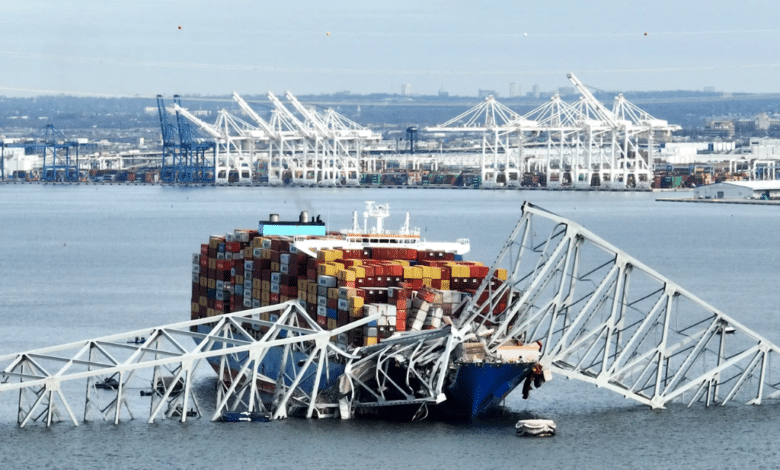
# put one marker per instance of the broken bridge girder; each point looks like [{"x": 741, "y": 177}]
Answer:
[
  {"x": 608, "y": 319},
  {"x": 166, "y": 360}
]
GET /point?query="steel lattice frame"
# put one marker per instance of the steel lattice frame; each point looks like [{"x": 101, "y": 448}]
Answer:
[
  {"x": 166, "y": 361},
  {"x": 608, "y": 319}
]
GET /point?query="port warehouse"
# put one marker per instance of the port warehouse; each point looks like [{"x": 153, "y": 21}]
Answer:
[
  {"x": 769, "y": 189},
  {"x": 544, "y": 148}
]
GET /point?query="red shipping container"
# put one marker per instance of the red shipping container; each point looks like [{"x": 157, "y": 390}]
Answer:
[
  {"x": 224, "y": 264},
  {"x": 274, "y": 298}
]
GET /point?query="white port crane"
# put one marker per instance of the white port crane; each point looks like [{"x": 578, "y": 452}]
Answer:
[
  {"x": 282, "y": 141},
  {"x": 498, "y": 124},
  {"x": 235, "y": 144},
  {"x": 336, "y": 162}
]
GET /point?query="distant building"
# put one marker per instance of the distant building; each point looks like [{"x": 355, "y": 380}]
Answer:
[
  {"x": 535, "y": 91},
  {"x": 765, "y": 149},
  {"x": 406, "y": 89},
  {"x": 739, "y": 190},
  {"x": 486, "y": 93},
  {"x": 514, "y": 90},
  {"x": 719, "y": 129},
  {"x": 567, "y": 90}
]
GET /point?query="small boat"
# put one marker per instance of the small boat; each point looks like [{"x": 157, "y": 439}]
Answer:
[
  {"x": 244, "y": 416},
  {"x": 535, "y": 427},
  {"x": 108, "y": 384}
]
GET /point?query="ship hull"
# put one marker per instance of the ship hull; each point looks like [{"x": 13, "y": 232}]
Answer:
[{"x": 476, "y": 388}]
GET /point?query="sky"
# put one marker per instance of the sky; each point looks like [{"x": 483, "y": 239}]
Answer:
[{"x": 145, "y": 47}]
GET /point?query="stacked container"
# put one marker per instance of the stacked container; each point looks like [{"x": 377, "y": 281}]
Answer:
[{"x": 409, "y": 289}]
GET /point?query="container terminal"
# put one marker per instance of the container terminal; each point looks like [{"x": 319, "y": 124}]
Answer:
[{"x": 558, "y": 145}]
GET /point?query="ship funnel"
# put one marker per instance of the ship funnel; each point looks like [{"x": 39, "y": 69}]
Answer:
[
  {"x": 274, "y": 218},
  {"x": 304, "y": 217}
]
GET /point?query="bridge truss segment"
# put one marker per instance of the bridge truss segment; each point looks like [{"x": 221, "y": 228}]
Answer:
[
  {"x": 610, "y": 320},
  {"x": 163, "y": 362},
  {"x": 286, "y": 365}
]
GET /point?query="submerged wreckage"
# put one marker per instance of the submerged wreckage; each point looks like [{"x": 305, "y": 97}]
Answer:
[{"x": 557, "y": 299}]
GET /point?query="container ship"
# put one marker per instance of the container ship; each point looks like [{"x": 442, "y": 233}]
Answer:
[{"x": 414, "y": 289}]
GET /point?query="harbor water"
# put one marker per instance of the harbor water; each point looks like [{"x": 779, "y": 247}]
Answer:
[{"x": 84, "y": 261}]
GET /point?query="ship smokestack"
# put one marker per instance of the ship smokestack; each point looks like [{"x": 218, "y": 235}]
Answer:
[
  {"x": 274, "y": 218},
  {"x": 304, "y": 218}
]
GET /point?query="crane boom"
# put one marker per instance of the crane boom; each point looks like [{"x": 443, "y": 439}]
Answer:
[{"x": 208, "y": 128}]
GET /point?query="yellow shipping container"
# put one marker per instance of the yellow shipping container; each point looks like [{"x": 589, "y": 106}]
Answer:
[
  {"x": 445, "y": 285},
  {"x": 276, "y": 267},
  {"x": 360, "y": 271},
  {"x": 356, "y": 302},
  {"x": 204, "y": 301},
  {"x": 326, "y": 269},
  {"x": 329, "y": 255},
  {"x": 356, "y": 312},
  {"x": 347, "y": 275},
  {"x": 427, "y": 282},
  {"x": 402, "y": 262},
  {"x": 413, "y": 272},
  {"x": 369, "y": 340},
  {"x": 333, "y": 292},
  {"x": 257, "y": 294},
  {"x": 332, "y": 324},
  {"x": 501, "y": 274},
  {"x": 248, "y": 252},
  {"x": 257, "y": 284},
  {"x": 239, "y": 280}
]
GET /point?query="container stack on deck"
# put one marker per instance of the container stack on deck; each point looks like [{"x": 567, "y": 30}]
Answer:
[{"x": 412, "y": 290}]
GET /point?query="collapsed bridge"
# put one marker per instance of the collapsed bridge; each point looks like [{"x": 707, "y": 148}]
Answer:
[{"x": 601, "y": 316}]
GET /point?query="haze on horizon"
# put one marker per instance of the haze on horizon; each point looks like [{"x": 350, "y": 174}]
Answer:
[{"x": 311, "y": 47}]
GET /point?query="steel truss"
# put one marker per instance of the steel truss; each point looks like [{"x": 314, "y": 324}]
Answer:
[
  {"x": 608, "y": 319},
  {"x": 164, "y": 363}
]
